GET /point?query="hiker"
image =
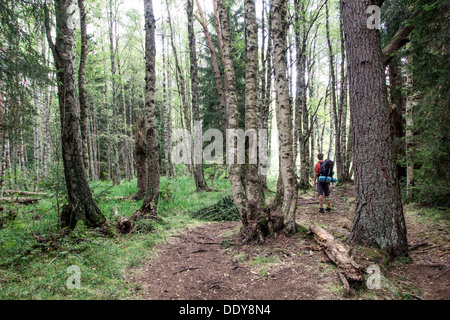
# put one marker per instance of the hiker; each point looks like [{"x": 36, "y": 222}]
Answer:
[{"x": 322, "y": 187}]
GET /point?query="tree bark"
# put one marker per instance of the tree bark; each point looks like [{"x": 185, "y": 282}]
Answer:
[
  {"x": 338, "y": 253},
  {"x": 301, "y": 110},
  {"x": 255, "y": 220},
  {"x": 199, "y": 177},
  {"x": 82, "y": 92},
  {"x": 233, "y": 121},
  {"x": 124, "y": 131},
  {"x": 36, "y": 139},
  {"x": 398, "y": 110},
  {"x": 217, "y": 75},
  {"x": 399, "y": 40},
  {"x": 81, "y": 204},
  {"x": 117, "y": 174},
  {"x": 149, "y": 208},
  {"x": 182, "y": 89},
  {"x": 290, "y": 193},
  {"x": 141, "y": 157},
  {"x": 409, "y": 142},
  {"x": 379, "y": 219},
  {"x": 266, "y": 80},
  {"x": 343, "y": 104},
  {"x": 335, "y": 112}
]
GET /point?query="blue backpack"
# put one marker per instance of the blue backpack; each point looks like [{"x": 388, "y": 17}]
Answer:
[{"x": 326, "y": 171}]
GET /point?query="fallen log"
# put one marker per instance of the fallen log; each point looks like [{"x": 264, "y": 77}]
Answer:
[
  {"x": 124, "y": 225},
  {"x": 339, "y": 255},
  {"x": 25, "y": 201},
  {"x": 26, "y": 193}
]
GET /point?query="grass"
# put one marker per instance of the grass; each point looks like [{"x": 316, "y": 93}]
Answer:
[{"x": 31, "y": 269}]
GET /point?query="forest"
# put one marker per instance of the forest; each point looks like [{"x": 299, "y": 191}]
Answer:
[{"x": 168, "y": 149}]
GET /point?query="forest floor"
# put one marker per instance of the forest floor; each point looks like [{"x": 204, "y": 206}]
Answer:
[{"x": 208, "y": 262}]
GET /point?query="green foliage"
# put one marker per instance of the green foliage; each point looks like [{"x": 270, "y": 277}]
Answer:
[
  {"x": 34, "y": 256},
  {"x": 209, "y": 98},
  {"x": 224, "y": 210},
  {"x": 166, "y": 190},
  {"x": 430, "y": 69}
]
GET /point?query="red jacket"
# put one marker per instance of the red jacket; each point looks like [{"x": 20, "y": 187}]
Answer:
[{"x": 317, "y": 167}]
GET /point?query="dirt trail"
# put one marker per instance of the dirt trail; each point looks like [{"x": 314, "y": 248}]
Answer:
[
  {"x": 207, "y": 262},
  {"x": 198, "y": 265}
]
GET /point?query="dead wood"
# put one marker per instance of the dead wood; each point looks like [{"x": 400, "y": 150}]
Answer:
[
  {"x": 26, "y": 193},
  {"x": 414, "y": 247},
  {"x": 337, "y": 253},
  {"x": 25, "y": 201},
  {"x": 344, "y": 282},
  {"x": 124, "y": 225}
]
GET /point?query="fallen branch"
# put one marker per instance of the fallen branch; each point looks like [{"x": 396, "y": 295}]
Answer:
[
  {"x": 26, "y": 193},
  {"x": 437, "y": 275},
  {"x": 344, "y": 282},
  {"x": 198, "y": 251},
  {"x": 417, "y": 246},
  {"x": 337, "y": 253},
  {"x": 25, "y": 201}
]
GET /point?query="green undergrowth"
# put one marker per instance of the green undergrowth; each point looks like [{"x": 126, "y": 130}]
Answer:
[{"x": 36, "y": 262}]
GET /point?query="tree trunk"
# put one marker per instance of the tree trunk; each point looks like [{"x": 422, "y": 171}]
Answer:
[
  {"x": 253, "y": 228},
  {"x": 165, "y": 109},
  {"x": 379, "y": 219},
  {"x": 36, "y": 139},
  {"x": 116, "y": 176},
  {"x": 168, "y": 127},
  {"x": 290, "y": 193},
  {"x": 124, "y": 131},
  {"x": 91, "y": 143},
  {"x": 141, "y": 158},
  {"x": 198, "y": 168},
  {"x": 149, "y": 208},
  {"x": 266, "y": 80},
  {"x": 182, "y": 90},
  {"x": 2, "y": 146},
  {"x": 343, "y": 105},
  {"x": 81, "y": 205},
  {"x": 130, "y": 130},
  {"x": 233, "y": 121},
  {"x": 338, "y": 253},
  {"x": 107, "y": 117},
  {"x": 398, "y": 110},
  {"x": 220, "y": 41},
  {"x": 22, "y": 153},
  {"x": 212, "y": 50},
  {"x": 300, "y": 99},
  {"x": 335, "y": 113},
  {"x": 409, "y": 142},
  {"x": 82, "y": 93}
]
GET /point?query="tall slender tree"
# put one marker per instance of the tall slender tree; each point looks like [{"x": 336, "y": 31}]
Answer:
[
  {"x": 200, "y": 182},
  {"x": 233, "y": 121},
  {"x": 81, "y": 204},
  {"x": 82, "y": 92},
  {"x": 149, "y": 207},
  {"x": 117, "y": 174},
  {"x": 287, "y": 172}
]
